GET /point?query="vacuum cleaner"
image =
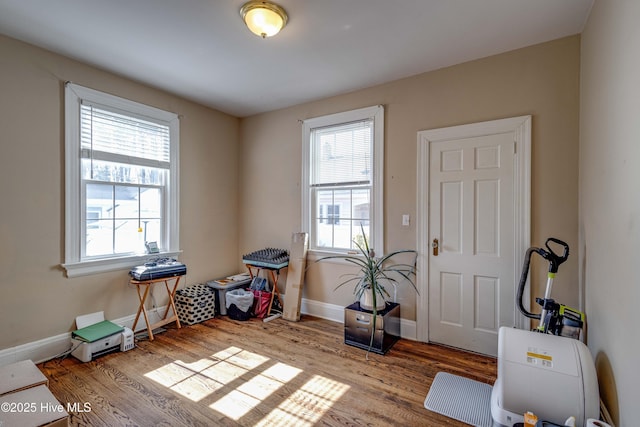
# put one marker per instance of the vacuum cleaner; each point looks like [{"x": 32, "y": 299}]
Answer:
[
  {"x": 545, "y": 371},
  {"x": 555, "y": 318}
]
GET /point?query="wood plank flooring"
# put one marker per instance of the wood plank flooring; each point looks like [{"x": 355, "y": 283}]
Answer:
[{"x": 229, "y": 373}]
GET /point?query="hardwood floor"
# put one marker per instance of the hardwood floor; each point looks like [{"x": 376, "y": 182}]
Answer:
[{"x": 228, "y": 373}]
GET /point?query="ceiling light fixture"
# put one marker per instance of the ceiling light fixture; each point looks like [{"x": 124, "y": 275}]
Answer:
[{"x": 263, "y": 18}]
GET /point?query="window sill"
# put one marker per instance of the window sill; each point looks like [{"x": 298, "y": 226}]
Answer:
[
  {"x": 85, "y": 268},
  {"x": 315, "y": 255}
]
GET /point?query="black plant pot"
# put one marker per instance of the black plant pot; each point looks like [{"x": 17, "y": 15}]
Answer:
[{"x": 358, "y": 326}]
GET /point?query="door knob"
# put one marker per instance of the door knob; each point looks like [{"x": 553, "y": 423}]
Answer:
[{"x": 435, "y": 246}]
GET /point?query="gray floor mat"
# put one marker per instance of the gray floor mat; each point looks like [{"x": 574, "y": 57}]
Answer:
[{"x": 460, "y": 398}]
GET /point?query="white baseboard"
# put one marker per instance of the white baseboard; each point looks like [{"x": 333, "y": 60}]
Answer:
[
  {"x": 51, "y": 347},
  {"x": 323, "y": 310},
  {"x": 408, "y": 329},
  {"x": 336, "y": 313},
  {"x": 38, "y": 351}
]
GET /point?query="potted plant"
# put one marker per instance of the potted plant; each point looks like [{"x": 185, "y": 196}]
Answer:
[{"x": 373, "y": 275}]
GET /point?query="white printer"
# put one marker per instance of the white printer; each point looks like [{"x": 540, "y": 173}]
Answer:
[{"x": 96, "y": 336}]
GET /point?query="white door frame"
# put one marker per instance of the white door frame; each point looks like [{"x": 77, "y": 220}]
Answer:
[{"x": 521, "y": 128}]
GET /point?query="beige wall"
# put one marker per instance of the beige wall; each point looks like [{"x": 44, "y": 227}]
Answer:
[
  {"x": 36, "y": 299},
  {"x": 610, "y": 200},
  {"x": 240, "y": 180},
  {"x": 252, "y": 191},
  {"x": 541, "y": 80}
]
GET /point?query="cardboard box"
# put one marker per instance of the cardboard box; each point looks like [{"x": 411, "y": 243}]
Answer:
[
  {"x": 195, "y": 304},
  {"x": 295, "y": 276},
  {"x": 19, "y": 376},
  {"x": 32, "y": 407}
]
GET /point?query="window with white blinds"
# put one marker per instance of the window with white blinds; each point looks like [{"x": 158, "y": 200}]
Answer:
[
  {"x": 120, "y": 137},
  {"x": 342, "y": 154},
  {"x": 342, "y": 192},
  {"x": 121, "y": 181}
]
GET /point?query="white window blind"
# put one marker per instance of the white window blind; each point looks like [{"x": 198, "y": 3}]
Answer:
[
  {"x": 342, "y": 154},
  {"x": 106, "y": 135}
]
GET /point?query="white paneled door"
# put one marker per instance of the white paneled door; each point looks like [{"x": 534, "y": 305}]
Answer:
[{"x": 472, "y": 214}]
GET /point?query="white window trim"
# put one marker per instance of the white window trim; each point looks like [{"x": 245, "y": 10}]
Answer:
[
  {"x": 377, "y": 218},
  {"x": 74, "y": 266}
]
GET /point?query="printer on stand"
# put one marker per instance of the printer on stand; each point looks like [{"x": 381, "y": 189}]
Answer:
[{"x": 96, "y": 336}]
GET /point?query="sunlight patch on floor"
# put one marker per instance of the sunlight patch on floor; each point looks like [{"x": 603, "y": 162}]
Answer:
[
  {"x": 305, "y": 406},
  {"x": 197, "y": 380},
  {"x": 240, "y": 374},
  {"x": 282, "y": 372},
  {"x": 255, "y": 390},
  {"x": 235, "y": 404},
  {"x": 185, "y": 381}
]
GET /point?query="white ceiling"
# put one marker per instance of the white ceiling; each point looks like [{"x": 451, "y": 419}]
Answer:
[{"x": 201, "y": 49}]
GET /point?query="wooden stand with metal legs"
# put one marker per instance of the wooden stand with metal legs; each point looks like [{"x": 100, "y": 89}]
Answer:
[{"x": 142, "y": 296}]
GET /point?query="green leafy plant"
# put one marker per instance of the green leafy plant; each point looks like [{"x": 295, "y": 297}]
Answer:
[{"x": 373, "y": 273}]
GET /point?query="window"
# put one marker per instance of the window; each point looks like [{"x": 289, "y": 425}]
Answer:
[
  {"x": 342, "y": 179},
  {"x": 333, "y": 214},
  {"x": 121, "y": 181}
]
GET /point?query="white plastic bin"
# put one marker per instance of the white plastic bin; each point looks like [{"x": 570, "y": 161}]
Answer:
[{"x": 221, "y": 287}]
